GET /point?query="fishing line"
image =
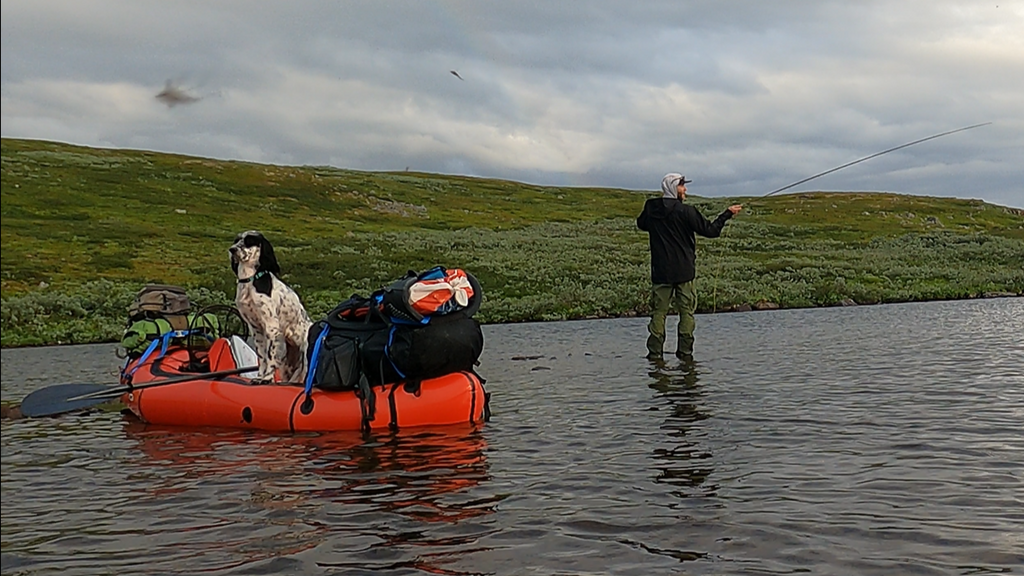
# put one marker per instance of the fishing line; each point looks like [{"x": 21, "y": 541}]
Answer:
[
  {"x": 714, "y": 291},
  {"x": 875, "y": 155}
]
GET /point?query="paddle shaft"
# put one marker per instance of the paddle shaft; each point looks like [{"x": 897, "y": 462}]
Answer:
[{"x": 115, "y": 392}]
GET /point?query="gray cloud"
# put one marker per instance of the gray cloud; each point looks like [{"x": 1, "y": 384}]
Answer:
[{"x": 743, "y": 97}]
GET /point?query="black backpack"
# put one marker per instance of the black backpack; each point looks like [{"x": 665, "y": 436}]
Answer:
[
  {"x": 365, "y": 342},
  {"x": 377, "y": 340}
]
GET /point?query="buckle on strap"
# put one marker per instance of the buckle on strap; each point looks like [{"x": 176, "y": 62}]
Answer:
[{"x": 255, "y": 276}]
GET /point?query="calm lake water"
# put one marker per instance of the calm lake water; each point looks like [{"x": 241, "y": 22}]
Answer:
[{"x": 866, "y": 440}]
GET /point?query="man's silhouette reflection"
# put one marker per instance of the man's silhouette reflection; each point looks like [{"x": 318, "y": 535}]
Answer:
[{"x": 680, "y": 460}]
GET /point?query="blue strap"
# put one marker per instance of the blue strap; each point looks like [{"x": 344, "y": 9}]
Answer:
[
  {"x": 164, "y": 341},
  {"x": 315, "y": 360},
  {"x": 142, "y": 360},
  {"x": 387, "y": 353}
]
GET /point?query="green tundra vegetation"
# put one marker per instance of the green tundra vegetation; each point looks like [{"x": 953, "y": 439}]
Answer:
[{"x": 85, "y": 228}]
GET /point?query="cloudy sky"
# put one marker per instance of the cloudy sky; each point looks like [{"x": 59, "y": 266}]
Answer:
[{"x": 741, "y": 96}]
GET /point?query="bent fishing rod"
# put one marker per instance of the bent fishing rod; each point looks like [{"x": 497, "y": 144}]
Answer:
[
  {"x": 714, "y": 305},
  {"x": 875, "y": 155}
]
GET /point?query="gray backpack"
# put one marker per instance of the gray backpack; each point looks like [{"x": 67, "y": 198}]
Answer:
[{"x": 161, "y": 301}]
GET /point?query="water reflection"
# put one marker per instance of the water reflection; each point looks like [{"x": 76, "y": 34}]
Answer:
[
  {"x": 872, "y": 440},
  {"x": 680, "y": 461},
  {"x": 411, "y": 469},
  {"x": 382, "y": 493}
]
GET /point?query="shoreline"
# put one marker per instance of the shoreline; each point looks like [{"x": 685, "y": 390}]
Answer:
[{"x": 760, "y": 306}]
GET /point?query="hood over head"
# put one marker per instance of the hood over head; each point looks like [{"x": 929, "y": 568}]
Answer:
[{"x": 669, "y": 183}]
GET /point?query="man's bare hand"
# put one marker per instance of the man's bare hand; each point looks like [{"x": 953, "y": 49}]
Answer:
[{"x": 735, "y": 208}]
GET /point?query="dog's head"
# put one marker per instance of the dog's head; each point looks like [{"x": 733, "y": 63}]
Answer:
[{"x": 252, "y": 248}]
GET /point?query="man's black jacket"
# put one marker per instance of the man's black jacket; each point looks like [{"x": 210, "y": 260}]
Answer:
[{"x": 671, "y": 225}]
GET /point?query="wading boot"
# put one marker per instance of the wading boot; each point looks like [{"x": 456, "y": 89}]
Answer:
[
  {"x": 655, "y": 347},
  {"x": 684, "y": 350}
]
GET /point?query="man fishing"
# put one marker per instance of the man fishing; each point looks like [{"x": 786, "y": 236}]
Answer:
[{"x": 671, "y": 225}]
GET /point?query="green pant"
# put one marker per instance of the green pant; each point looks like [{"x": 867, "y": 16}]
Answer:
[{"x": 684, "y": 298}]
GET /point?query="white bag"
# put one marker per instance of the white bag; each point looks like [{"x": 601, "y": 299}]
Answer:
[{"x": 244, "y": 355}]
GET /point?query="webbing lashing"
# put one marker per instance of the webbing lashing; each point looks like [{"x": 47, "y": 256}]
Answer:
[
  {"x": 472, "y": 401},
  {"x": 487, "y": 396},
  {"x": 164, "y": 341},
  {"x": 387, "y": 353},
  {"x": 311, "y": 371},
  {"x": 393, "y": 424},
  {"x": 126, "y": 377},
  {"x": 367, "y": 402}
]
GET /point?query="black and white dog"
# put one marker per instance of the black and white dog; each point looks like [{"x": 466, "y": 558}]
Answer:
[{"x": 275, "y": 314}]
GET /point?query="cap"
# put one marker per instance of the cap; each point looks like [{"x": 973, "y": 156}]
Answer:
[{"x": 670, "y": 182}]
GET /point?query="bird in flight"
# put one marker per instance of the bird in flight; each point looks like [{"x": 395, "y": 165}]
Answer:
[
  {"x": 173, "y": 95},
  {"x": 456, "y": 74}
]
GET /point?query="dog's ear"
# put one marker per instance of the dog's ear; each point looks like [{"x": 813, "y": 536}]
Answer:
[
  {"x": 268, "y": 261},
  {"x": 264, "y": 285},
  {"x": 234, "y": 266}
]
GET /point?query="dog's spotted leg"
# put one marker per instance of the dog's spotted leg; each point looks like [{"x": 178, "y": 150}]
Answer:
[
  {"x": 276, "y": 351},
  {"x": 294, "y": 369},
  {"x": 263, "y": 349}
]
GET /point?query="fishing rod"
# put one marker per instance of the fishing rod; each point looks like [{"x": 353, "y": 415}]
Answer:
[
  {"x": 875, "y": 155},
  {"x": 714, "y": 296}
]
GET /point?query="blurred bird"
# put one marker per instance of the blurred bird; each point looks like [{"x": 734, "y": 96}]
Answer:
[
  {"x": 173, "y": 95},
  {"x": 456, "y": 74}
]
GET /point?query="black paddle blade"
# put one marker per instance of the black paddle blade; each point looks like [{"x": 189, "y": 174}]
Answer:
[{"x": 54, "y": 400}]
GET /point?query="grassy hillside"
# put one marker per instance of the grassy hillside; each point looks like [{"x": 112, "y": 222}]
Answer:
[{"x": 84, "y": 228}]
